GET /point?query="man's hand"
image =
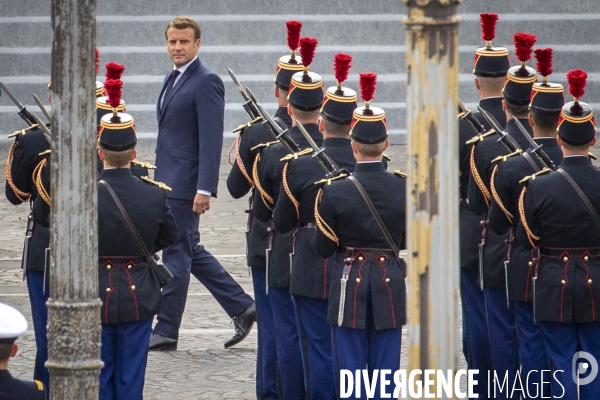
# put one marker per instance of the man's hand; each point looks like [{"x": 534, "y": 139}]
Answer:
[{"x": 201, "y": 203}]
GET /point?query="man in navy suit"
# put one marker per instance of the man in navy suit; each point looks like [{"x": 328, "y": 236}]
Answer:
[{"x": 190, "y": 136}]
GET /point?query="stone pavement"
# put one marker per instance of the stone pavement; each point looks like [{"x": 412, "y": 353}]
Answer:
[{"x": 201, "y": 368}]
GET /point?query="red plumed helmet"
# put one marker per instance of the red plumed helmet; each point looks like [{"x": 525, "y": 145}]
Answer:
[
  {"x": 544, "y": 62},
  {"x": 523, "y": 45},
  {"x": 293, "y": 34},
  {"x": 114, "y": 91},
  {"x": 577, "y": 80},
  {"x": 114, "y": 70},
  {"x": 367, "y": 82},
  {"x": 488, "y": 26},
  {"x": 308, "y": 47},
  {"x": 341, "y": 66},
  {"x": 97, "y": 60}
]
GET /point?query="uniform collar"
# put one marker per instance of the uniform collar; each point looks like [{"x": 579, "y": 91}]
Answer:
[
  {"x": 115, "y": 173},
  {"x": 375, "y": 166},
  {"x": 546, "y": 141},
  {"x": 575, "y": 161},
  {"x": 490, "y": 102},
  {"x": 4, "y": 374},
  {"x": 336, "y": 142}
]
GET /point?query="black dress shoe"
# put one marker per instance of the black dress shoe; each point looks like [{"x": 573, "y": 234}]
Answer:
[
  {"x": 243, "y": 325},
  {"x": 161, "y": 343}
]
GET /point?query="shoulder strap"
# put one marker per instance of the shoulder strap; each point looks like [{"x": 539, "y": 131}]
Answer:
[
  {"x": 386, "y": 233},
  {"x": 527, "y": 156},
  {"x": 127, "y": 219},
  {"x": 582, "y": 195}
]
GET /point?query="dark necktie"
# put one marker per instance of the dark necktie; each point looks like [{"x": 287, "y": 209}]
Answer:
[{"x": 170, "y": 85}]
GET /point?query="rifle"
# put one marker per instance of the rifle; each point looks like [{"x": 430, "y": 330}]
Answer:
[
  {"x": 469, "y": 118},
  {"x": 248, "y": 105},
  {"x": 505, "y": 139},
  {"x": 537, "y": 148},
  {"x": 328, "y": 165}
]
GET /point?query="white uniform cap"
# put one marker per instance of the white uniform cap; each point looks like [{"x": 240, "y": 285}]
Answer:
[{"x": 12, "y": 323}]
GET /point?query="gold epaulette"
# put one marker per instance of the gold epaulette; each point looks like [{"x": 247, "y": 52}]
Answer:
[
  {"x": 287, "y": 190},
  {"x": 143, "y": 164},
  {"x": 328, "y": 180},
  {"x": 532, "y": 177},
  {"x": 383, "y": 155},
  {"x": 23, "y": 131},
  {"x": 592, "y": 155},
  {"x": 37, "y": 180},
  {"x": 399, "y": 173},
  {"x": 159, "y": 184},
  {"x": 40, "y": 385},
  {"x": 21, "y": 195},
  {"x": 506, "y": 157},
  {"x": 479, "y": 138},
  {"x": 43, "y": 153},
  {"x": 294, "y": 156},
  {"x": 258, "y": 146},
  {"x": 247, "y": 124}
]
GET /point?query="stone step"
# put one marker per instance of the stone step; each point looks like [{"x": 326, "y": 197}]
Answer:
[{"x": 380, "y": 29}]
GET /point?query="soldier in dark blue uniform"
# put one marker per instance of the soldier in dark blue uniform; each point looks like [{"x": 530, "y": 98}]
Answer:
[
  {"x": 129, "y": 291},
  {"x": 295, "y": 212},
  {"x": 499, "y": 312},
  {"x": 27, "y": 151},
  {"x": 367, "y": 297},
  {"x": 12, "y": 325},
  {"x": 547, "y": 100},
  {"x": 305, "y": 99},
  {"x": 559, "y": 217},
  {"x": 490, "y": 67}
]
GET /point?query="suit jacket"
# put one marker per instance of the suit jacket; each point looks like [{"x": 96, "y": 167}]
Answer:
[
  {"x": 190, "y": 132},
  {"x": 567, "y": 288},
  {"x": 344, "y": 210},
  {"x": 12, "y": 388},
  {"x": 128, "y": 289}
]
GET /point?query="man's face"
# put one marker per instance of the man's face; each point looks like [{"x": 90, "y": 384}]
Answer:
[{"x": 181, "y": 45}]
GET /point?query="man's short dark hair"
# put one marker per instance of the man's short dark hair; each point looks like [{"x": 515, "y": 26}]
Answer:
[
  {"x": 306, "y": 116},
  {"x": 5, "y": 350},
  {"x": 545, "y": 121},
  {"x": 370, "y": 150},
  {"x": 491, "y": 84},
  {"x": 118, "y": 158},
  {"x": 575, "y": 148},
  {"x": 336, "y": 130},
  {"x": 182, "y": 23},
  {"x": 517, "y": 111}
]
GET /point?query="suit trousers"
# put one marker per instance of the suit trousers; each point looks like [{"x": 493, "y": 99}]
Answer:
[
  {"x": 39, "y": 314},
  {"x": 187, "y": 256},
  {"x": 476, "y": 343},
  {"x": 562, "y": 341},
  {"x": 315, "y": 343},
  {"x": 266, "y": 354},
  {"x": 124, "y": 353}
]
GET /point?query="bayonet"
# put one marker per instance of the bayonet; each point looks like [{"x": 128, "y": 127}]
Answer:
[
  {"x": 278, "y": 132},
  {"x": 248, "y": 105},
  {"x": 41, "y": 106},
  {"x": 343, "y": 282},
  {"x": 537, "y": 148},
  {"x": 505, "y": 139},
  {"x": 44, "y": 128},
  {"x": 328, "y": 165},
  {"x": 23, "y": 113}
]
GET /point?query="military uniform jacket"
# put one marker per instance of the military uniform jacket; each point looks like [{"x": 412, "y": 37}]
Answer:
[
  {"x": 470, "y": 221},
  {"x": 295, "y": 209},
  {"x": 344, "y": 211},
  {"x": 495, "y": 249},
  {"x": 128, "y": 289},
  {"x": 270, "y": 168},
  {"x": 504, "y": 213},
  {"x": 12, "y": 389},
  {"x": 554, "y": 216},
  {"x": 239, "y": 185},
  {"x": 20, "y": 187}
]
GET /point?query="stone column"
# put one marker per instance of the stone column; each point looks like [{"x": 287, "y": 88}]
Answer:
[
  {"x": 432, "y": 240},
  {"x": 73, "y": 308}
]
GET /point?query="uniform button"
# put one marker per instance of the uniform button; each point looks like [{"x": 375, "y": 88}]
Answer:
[
  {"x": 387, "y": 280},
  {"x": 357, "y": 280},
  {"x": 107, "y": 289},
  {"x": 360, "y": 258},
  {"x": 108, "y": 267},
  {"x": 563, "y": 282},
  {"x": 132, "y": 287},
  {"x": 381, "y": 259},
  {"x": 589, "y": 281},
  {"x": 565, "y": 259},
  {"x": 530, "y": 263},
  {"x": 586, "y": 258},
  {"x": 129, "y": 266}
]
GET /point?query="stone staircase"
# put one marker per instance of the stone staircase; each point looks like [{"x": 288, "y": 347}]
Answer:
[{"x": 249, "y": 36}]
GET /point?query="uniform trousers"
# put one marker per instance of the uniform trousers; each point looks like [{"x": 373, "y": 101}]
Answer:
[
  {"x": 39, "y": 314},
  {"x": 369, "y": 348},
  {"x": 124, "y": 353},
  {"x": 476, "y": 343},
  {"x": 562, "y": 341},
  {"x": 266, "y": 354},
  {"x": 187, "y": 256},
  {"x": 315, "y": 343},
  {"x": 289, "y": 357},
  {"x": 533, "y": 353},
  {"x": 503, "y": 342}
]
